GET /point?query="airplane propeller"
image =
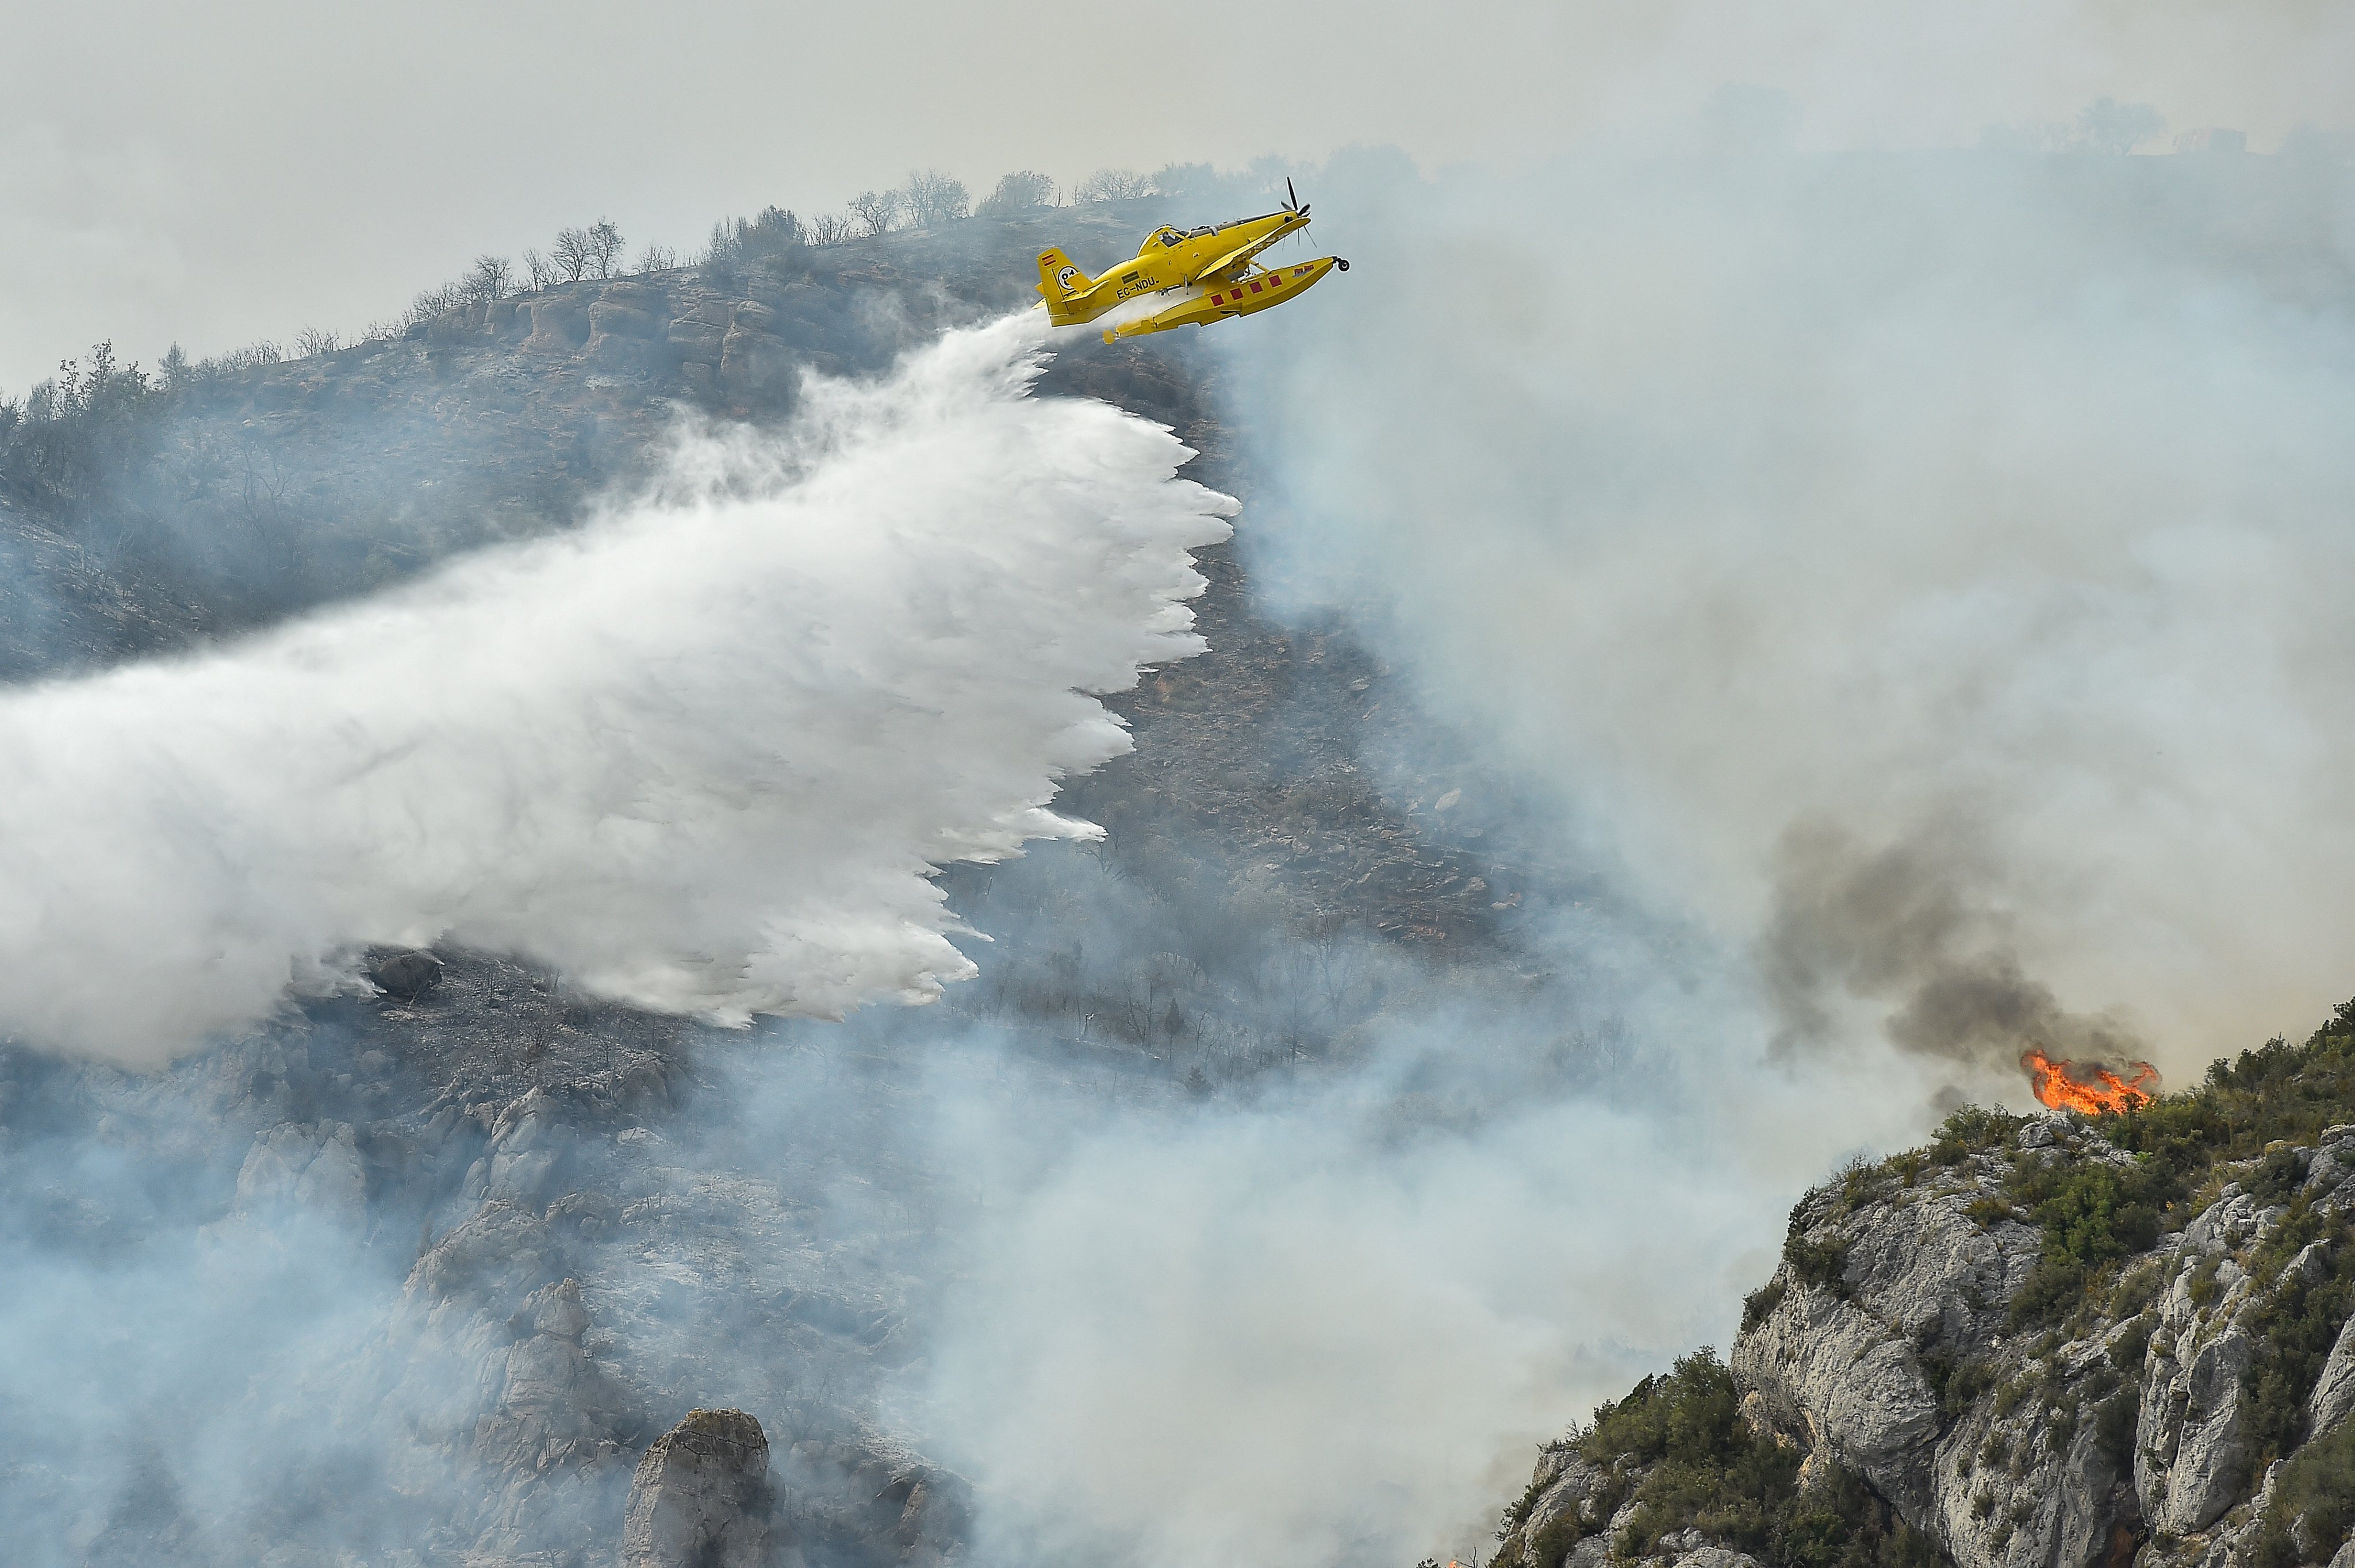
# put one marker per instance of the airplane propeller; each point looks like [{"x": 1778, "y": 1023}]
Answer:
[{"x": 1292, "y": 198}]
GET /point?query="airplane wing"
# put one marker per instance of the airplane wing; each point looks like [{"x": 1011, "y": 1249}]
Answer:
[{"x": 1245, "y": 251}]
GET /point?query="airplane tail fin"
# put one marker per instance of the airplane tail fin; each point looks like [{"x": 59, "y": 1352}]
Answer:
[{"x": 1059, "y": 280}]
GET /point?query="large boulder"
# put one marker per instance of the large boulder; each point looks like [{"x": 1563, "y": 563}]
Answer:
[
  {"x": 406, "y": 976},
  {"x": 753, "y": 316},
  {"x": 2191, "y": 1459},
  {"x": 1569, "y": 1485},
  {"x": 700, "y": 1498},
  {"x": 557, "y": 1406},
  {"x": 620, "y": 320},
  {"x": 1839, "y": 1366},
  {"x": 2334, "y": 1391},
  {"x": 315, "y": 1168},
  {"x": 696, "y": 339},
  {"x": 751, "y": 359},
  {"x": 456, "y": 324},
  {"x": 559, "y": 323}
]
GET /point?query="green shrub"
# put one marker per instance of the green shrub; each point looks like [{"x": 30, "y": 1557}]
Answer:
[
  {"x": 2135, "y": 1291},
  {"x": 1989, "y": 1211},
  {"x": 2091, "y": 1214},
  {"x": 1692, "y": 1415},
  {"x": 2053, "y": 1288},
  {"x": 2303, "y": 1224},
  {"x": 1550, "y": 1548},
  {"x": 2319, "y": 1484},
  {"x": 1855, "y": 1180},
  {"x": 1760, "y": 1304},
  {"x": 1709, "y": 1470},
  {"x": 2099, "y": 1213},
  {"x": 2278, "y": 1175},
  {"x": 1956, "y": 1383},
  {"x": 1822, "y": 1264},
  {"x": 2131, "y": 1348},
  {"x": 2295, "y": 1324},
  {"x": 1973, "y": 1129}
]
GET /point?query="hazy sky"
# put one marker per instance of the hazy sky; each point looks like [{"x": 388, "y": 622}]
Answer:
[{"x": 217, "y": 174}]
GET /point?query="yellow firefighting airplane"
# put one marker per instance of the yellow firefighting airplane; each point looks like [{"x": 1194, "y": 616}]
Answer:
[{"x": 1213, "y": 272}]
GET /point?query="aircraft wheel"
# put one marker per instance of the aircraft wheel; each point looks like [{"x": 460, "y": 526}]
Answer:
[{"x": 1344, "y": 266}]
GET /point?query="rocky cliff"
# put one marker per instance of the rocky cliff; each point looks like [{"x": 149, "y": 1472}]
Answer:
[{"x": 2049, "y": 1341}]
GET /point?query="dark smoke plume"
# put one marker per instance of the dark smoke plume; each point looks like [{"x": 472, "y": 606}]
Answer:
[{"x": 1911, "y": 925}]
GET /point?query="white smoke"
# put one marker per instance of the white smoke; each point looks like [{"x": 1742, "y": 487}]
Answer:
[
  {"x": 1327, "y": 1326},
  {"x": 1989, "y": 509},
  {"x": 703, "y": 756}
]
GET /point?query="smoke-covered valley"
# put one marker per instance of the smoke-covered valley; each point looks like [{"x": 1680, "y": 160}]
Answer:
[{"x": 1790, "y": 609}]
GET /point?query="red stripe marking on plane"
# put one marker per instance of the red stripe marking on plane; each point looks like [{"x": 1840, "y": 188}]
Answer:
[{"x": 1254, "y": 288}]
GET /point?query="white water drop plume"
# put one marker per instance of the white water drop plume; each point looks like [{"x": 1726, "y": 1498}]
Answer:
[{"x": 702, "y": 754}]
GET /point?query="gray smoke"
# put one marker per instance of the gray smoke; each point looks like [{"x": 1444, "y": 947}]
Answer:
[{"x": 1909, "y": 925}]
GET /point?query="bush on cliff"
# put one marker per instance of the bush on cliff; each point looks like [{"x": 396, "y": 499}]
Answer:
[
  {"x": 2092, "y": 1216},
  {"x": 2297, "y": 1321},
  {"x": 2318, "y": 1486},
  {"x": 1687, "y": 1460},
  {"x": 2277, "y": 1092}
]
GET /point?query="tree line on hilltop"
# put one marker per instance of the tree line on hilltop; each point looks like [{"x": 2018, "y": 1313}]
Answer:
[{"x": 104, "y": 388}]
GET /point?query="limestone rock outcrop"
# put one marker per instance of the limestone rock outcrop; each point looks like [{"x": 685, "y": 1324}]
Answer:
[
  {"x": 1929, "y": 1354},
  {"x": 750, "y": 359},
  {"x": 700, "y": 1498},
  {"x": 1893, "y": 1345},
  {"x": 316, "y": 1168}
]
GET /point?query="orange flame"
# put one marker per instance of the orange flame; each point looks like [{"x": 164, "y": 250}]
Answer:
[{"x": 2066, "y": 1086}]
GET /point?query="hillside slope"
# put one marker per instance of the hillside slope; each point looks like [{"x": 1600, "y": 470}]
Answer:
[
  {"x": 2049, "y": 1341},
  {"x": 465, "y": 1248}
]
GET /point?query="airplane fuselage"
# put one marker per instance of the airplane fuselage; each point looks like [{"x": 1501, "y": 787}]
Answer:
[{"x": 1253, "y": 289}]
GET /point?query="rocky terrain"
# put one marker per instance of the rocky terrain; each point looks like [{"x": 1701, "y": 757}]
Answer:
[
  {"x": 2042, "y": 1342},
  {"x": 487, "y": 1155}
]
